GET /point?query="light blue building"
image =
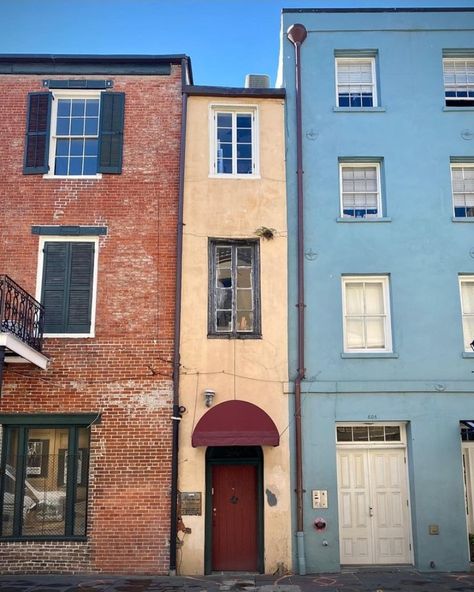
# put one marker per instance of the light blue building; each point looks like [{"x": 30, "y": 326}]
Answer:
[{"x": 387, "y": 259}]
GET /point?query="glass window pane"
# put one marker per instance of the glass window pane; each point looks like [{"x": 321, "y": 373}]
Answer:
[
  {"x": 223, "y": 321},
  {"x": 224, "y": 278},
  {"x": 224, "y": 119},
  {"x": 62, "y": 147},
  {"x": 62, "y": 126},
  {"x": 77, "y": 126},
  {"x": 224, "y": 298},
  {"x": 344, "y": 434},
  {"x": 361, "y": 433},
  {"x": 244, "y": 321},
  {"x": 244, "y": 121},
  {"x": 244, "y": 135},
  {"x": 244, "y": 256},
  {"x": 82, "y": 473},
  {"x": 244, "y": 300},
  {"x": 354, "y": 298},
  {"x": 374, "y": 298},
  {"x": 77, "y": 147},
  {"x": 92, "y": 107},
  {"x": 223, "y": 256},
  {"x": 244, "y": 277},
  {"x": 392, "y": 433},
  {"x": 224, "y": 135},
  {"x": 226, "y": 166},
  {"x": 467, "y": 294},
  {"x": 375, "y": 333},
  {"x": 468, "y": 330},
  {"x": 9, "y": 483},
  {"x": 90, "y": 165},
  {"x": 92, "y": 126},
  {"x": 244, "y": 167},
  {"x": 75, "y": 166},
  {"x": 91, "y": 147},
  {"x": 78, "y": 107},
  {"x": 60, "y": 167},
  {"x": 64, "y": 107},
  {"x": 376, "y": 433},
  {"x": 244, "y": 151},
  {"x": 355, "y": 334}
]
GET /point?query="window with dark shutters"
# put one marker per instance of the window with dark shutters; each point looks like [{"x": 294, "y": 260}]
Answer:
[
  {"x": 37, "y": 133},
  {"x": 68, "y": 271},
  {"x": 111, "y": 132}
]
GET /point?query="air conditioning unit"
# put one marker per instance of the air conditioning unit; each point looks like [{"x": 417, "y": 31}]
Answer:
[{"x": 257, "y": 81}]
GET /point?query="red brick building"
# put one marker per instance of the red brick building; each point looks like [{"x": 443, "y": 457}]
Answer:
[{"x": 89, "y": 193}]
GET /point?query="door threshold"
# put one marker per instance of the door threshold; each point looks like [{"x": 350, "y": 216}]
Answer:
[{"x": 394, "y": 567}]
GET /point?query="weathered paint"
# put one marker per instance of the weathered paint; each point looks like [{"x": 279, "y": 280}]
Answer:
[
  {"x": 429, "y": 383},
  {"x": 252, "y": 370}
]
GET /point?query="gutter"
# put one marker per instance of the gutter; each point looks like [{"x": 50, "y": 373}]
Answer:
[
  {"x": 176, "y": 416},
  {"x": 297, "y": 34}
]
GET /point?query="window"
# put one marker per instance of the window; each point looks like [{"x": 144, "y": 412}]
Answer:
[
  {"x": 355, "y": 82},
  {"x": 234, "y": 151},
  {"x": 67, "y": 272},
  {"x": 43, "y": 484},
  {"x": 462, "y": 182},
  {"x": 366, "y": 314},
  {"x": 360, "y": 190},
  {"x": 74, "y": 133},
  {"x": 234, "y": 294},
  {"x": 373, "y": 433},
  {"x": 459, "y": 82},
  {"x": 466, "y": 284}
]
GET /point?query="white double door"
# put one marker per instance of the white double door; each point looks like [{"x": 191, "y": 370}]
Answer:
[{"x": 374, "y": 518}]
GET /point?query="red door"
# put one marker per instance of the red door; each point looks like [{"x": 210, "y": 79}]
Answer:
[{"x": 234, "y": 518}]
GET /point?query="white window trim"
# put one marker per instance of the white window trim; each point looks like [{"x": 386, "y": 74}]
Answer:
[
  {"x": 39, "y": 278},
  {"x": 466, "y": 341},
  {"x": 375, "y": 100},
  {"x": 402, "y": 443},
  {"x": 454, "y": 165},
  {"x": 455, "y": 87},
  {"x": 65, "y": 94},
  {"x": 369, "y": 163},
  {"x": 233, "y": 108},
  {"x": 373, "y": 279}
]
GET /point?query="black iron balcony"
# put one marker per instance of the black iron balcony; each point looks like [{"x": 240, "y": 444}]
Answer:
[{"x": 21, "y": 322}]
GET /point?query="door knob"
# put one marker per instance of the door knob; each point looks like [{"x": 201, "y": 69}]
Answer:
[{"x": 371, "y": 511}]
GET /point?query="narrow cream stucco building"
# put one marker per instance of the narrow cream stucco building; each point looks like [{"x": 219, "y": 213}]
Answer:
[{"x": 234, "y": 465}]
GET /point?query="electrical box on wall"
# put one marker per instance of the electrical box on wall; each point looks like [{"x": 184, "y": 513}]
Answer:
[{"x": 320, "y": 498}]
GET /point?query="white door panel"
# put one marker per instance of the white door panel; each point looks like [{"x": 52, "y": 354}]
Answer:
[{"x": 373, "y": 510}]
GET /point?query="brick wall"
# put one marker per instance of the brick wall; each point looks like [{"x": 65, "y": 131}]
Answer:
[{"x": 125, "y": 372}]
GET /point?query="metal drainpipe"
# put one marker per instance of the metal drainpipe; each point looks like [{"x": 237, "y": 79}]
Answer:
[
  {"x": 297, "y": 34},
  {"x": 176, "y": 417},
  {"x": 2, "y": 364}
]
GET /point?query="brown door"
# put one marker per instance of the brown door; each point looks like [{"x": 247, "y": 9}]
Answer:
[{"x": 234, "y": 518}]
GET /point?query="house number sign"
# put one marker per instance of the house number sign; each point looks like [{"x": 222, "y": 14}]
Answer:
[{"x": 190, "y": 503}]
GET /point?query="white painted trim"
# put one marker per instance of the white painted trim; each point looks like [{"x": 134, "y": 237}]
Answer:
[
  {"x": 369, "y": 163},
  {"x": 234, "y": 108},
  {"x": 369, "y": 279},
  {"x": 402, "y": 443},
  {"x": 466, "y": 340},
  {"x": 39, "y": 278},
  {"x": 23, "y": 350},
  {"x": 457, "y": 165},
  {"x": 67, "y": 94},
  {"x": 355, "y": 58}
]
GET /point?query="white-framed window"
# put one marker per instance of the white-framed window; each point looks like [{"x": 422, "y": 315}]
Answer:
[
  {"x": 466, "y": 286},
  {"x": 366, "y": 314},
  {"x": 373, "y": 434},
  {"x": 462, "y": 185},
  {"x": 234, "y": 146},
  {"x": 67, "y": 285},
  {"x": 360, "y": 190},
  {"x": 459, "y": 81},
  {"x": 74, "y": 143},
  {"x": 356, "y": 82}
]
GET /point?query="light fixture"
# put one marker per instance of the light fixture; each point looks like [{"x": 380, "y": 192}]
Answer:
[
  {"x": 209, "y": 395},
  {"x": 472, "y": 345}
]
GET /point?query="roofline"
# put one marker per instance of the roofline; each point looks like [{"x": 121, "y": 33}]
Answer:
[
  {"x": 91, "y": 58},
  {"x": 226, "y": 91},
  {"x": 355, "y": 10}
]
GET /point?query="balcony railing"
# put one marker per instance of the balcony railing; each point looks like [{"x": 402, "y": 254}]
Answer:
[{"x": 20, "y": 314}]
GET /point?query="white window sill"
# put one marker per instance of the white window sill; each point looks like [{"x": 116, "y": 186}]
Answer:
[
  {"x": 69, "y": 335},
  {"x": 359, "y": 109},
  {"x": 466, "y": 108},
  {"x": 458, "y": 219},
  {"x": 229, "y": 176},
  {"x": 74, "y": 177},
  {"x": 362, "y": 220},
  {"x": 469, "y": 354},
  {"x": 369, "y": 355}
]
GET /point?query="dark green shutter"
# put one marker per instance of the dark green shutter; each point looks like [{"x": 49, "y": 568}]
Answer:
[
  {"x": 111, "y": 132},
  {"x": 37, "y": 134},
  {"x": 67, "y": 286}
]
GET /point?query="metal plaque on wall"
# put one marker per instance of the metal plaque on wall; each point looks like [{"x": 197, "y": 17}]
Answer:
[{"x": 190, "y": 502}]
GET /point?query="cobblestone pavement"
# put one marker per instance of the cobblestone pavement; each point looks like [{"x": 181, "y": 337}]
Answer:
[{"x": 361, "y": 580}]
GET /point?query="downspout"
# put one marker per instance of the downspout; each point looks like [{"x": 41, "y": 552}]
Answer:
[
  {"x": 2, "y": 365},
  {"x": 176, "y": 417},
  {"x": 297, "y": 34}
]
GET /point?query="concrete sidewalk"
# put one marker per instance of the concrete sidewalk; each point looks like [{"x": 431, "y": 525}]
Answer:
[{"x": 361, "y": 580}]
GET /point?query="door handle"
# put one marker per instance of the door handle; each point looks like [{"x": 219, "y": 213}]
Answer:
[{"x": 371, "y": 511}]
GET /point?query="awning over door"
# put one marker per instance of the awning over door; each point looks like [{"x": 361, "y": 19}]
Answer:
[{"x": 235, "y": 423}]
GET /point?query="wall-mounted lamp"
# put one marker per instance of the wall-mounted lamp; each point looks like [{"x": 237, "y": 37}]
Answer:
[
  {"x": 209, "y": 395},
  {"x": 472, "y": 345}
]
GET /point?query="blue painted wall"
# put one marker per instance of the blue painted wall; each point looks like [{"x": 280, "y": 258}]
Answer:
[{"x": 429, "y": 383}]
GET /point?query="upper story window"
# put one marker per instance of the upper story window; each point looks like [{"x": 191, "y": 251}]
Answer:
[
  {"x": 360, "y": 190},
  {"x": 74, "y": 133},
  {"x": 355, "y": 82},
  {"x": 234, "y": 142},
  {"x": 67, "y": 275},
  {"x": 234, "y": 297},
  {"x": 43, "y": 481},
  {"x": 466, "y": 285},
  {"x": 366, "y": 311},
  {"x": 459, "y": 81},
  {"x": 462, "y": 183}
]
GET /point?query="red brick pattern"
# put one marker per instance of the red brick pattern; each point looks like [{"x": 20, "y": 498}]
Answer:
[{"x": 125, "y": 372}]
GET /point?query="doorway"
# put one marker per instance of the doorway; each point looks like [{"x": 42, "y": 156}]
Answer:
[
  {"x": 373, "y": 498},
  {"x": 234, "y": 509}
]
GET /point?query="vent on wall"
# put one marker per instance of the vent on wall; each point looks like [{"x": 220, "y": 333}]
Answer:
[{"x": 257, "y": 81}]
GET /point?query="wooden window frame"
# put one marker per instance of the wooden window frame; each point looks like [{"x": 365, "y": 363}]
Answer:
[
  {"x": 356, "y": 59},
  {"x": 361, "y": 165}
]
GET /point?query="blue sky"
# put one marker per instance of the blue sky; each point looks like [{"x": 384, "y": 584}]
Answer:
[{"x": 226, "y": 39}]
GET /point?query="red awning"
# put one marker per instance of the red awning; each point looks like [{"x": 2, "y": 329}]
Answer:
[{"x": 235, "y": 423}]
